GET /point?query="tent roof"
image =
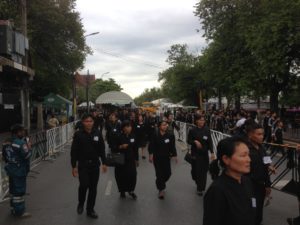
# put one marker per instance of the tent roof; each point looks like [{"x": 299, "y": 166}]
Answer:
[
  {"x": 115, "y": 98},
  {"x": 55, "y": 101}
]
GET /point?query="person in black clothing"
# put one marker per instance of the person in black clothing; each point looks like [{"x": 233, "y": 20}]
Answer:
[
  {"x": 140, "y": 131},
  {"x": 151, "y": 125},
  {"x": 200, "y": 140},
  {"x": 113, "y": 129},
  {"x": 126, "y": 174},
  {"x": 161, "y": 150},
  {"x": 277, "y": 137},
  {"x": 260, "y": 167},
  {"x": 230, "y": 200},
  {"x": 87, "y": 147}
]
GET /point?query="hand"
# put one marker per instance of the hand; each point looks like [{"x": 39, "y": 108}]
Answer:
[
  {"x": 124, "y": 146},
  {"x": 198, "y": 144},
  {"x": 137, "y": 163},
  {"x": 175, "y": 159},
  {"x": 75, "y": 172},
  {"x": 268, "y": 191},
  {"x": 104, "y": 168},
  {"x": 212, "y": 156},
  {"x": 272, "y": 169},
  {"x": 151, "y": 158}
]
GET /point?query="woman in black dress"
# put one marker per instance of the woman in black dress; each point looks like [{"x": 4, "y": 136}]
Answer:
[
  {"x": 126, "y": 174},
  {"x": 230, "y": 199},
  {"x": 140, "y": 131}
]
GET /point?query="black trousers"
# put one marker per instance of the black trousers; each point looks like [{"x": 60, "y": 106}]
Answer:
[
  {"x": 163, "y": 172},
  {"x": 88, "y": 181},
  {"x": 260, "y": 194},
  {"x": 199, "y": 171}
]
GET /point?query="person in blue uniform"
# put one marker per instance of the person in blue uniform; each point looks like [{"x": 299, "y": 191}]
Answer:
[
  {"x": 126, "y": 175},
  {"x": 260, "y": 167},
  {"x": 200, "y": 140},
  {"x": 86, "y": 150},
  {"x": 230, "y": 199},
  {"x": 161, "y": 150},
  {"x": 16, "y": 154}
]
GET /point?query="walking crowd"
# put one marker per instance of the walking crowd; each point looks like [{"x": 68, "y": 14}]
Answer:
[{"x": 240, "y": 169}]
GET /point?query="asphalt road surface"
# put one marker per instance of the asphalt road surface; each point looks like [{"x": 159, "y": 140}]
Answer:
[{"x": 52, "y": 199}]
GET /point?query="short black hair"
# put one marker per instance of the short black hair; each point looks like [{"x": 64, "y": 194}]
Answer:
[
  {"x": 126, "y": 123},
  {"x": 86, "y": 115}
]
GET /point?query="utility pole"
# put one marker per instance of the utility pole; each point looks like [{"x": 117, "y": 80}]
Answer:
[
  {"x": 87, "y": 91},
  {"x": 25, "y": 89}
]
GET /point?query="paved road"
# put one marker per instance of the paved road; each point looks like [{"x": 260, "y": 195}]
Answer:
[{"x": 53, "y": 199}]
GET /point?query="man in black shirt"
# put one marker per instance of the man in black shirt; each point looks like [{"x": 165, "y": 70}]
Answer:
[{"x": 87, "y": 147}]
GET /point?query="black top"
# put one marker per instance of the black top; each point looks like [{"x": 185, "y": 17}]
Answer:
[
  {"x": 87, "y": 146},
  {"x": 259, "y": 165},
  {"x": 278, "y": 135},
  {"x": 162, "y": 145},
  {"x": 228, "y": 202},
  {"x": 140, "y": 131},
  {"x": 131, "y": 153},
  {"x": 203, "y": 136},
  {"x": 113, "y": 130}
]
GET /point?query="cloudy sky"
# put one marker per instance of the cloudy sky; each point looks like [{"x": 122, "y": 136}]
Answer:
[{"x": 135, "y": 36}]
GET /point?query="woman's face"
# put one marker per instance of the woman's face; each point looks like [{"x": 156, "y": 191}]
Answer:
[
  {"x": 164, "y": 126},
  {"x": 127, "y": 129},
  {"x": 239, "y": 162},
  {"x": 200, "y": 122},
  {"x": 257, "y": 136}
]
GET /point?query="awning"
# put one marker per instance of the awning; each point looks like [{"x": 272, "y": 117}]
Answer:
[{"x": 56, "y": 101}]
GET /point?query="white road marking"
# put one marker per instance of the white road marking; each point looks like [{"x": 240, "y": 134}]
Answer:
[{"x": 108, "y": 188}]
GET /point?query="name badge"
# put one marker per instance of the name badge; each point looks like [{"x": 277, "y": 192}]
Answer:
[
  {"x": 253, "y": 202},
  {"x": 115, "y": 130},
  {"x": 205, "y": 137},
  {"x": 96, "y": 138},
  {"x": 132, "y": 140},
  {"x": 138, "y": 126},
  {"x": 267, "y": 160},
  {"x": 167, "y": 141}
]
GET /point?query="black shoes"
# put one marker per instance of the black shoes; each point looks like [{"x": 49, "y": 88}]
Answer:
[
  {"x": 92, "y": 215},
  {"x": 133, "y": 195},
  {"x": 79, "y": 209},
  {"x": 143, "y": 157}
]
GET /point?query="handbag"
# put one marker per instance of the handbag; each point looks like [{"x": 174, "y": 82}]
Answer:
[
  {"x": 188, "y": 157},
  {"x": 115, "y": 159}
]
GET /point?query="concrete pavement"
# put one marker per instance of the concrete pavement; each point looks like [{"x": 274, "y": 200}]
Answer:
[{"x": 53, "y": 199}]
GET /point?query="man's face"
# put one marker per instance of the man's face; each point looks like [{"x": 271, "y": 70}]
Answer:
[{"x": 88, "y": 123}]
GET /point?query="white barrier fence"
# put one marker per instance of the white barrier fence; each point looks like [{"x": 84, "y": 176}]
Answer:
[
  {"x": 45, "y": 145},
  {"x": 185, "y": 128}
]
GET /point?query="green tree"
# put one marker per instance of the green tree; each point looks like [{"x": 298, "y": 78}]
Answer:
[
  {"x": 97, "y": 88},
  {"x": 149, "y": 95}
]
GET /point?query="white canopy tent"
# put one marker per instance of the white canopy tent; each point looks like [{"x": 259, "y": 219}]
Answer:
[
  {"x": 115, "y": 98},
  {"x": 83, "y": 104}
]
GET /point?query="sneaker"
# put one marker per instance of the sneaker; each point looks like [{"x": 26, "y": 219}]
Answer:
[
  {"x": 161, "y": 195},
  {"x": 92, "y": 215},
  {"x": 25, "y": 215},
  {"x": 122, "y": 195},
  {"x": 133, "y": 195},
  {"x": 79, "y": 209}
]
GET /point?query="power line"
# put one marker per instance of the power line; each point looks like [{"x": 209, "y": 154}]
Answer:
[{"x": 143, "y": 62}]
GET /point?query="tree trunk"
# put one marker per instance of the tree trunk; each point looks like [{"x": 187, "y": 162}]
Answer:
[
  {"x": 237, "y": 102},
  {"x": 274, "y": 100},
  {"x": 219, "y": 99}
]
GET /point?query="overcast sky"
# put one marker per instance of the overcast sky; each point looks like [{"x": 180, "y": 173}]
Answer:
[{"x": 135, "y": 36}]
